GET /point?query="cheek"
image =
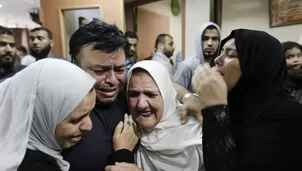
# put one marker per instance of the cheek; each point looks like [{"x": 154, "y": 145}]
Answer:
[
  {"x": 65, "y": 130},
  {"x": 132, "y": 103},
  {"x": 233, "y": 73},
  {"x": 122, "y": 77}
]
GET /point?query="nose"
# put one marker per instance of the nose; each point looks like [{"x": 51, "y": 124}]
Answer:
[
  {"x": 219, "y": 60},
  {"x": 111, "y": 78},
  {"x": 142, "y": 102},
  {"x": 132, "y": 48},
  {"x": 86, "y": 125},
  {"x": 210, "y": 42}
]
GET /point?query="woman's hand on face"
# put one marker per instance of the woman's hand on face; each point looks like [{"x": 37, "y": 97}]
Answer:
[
  {"x": 123, "y": 167},
  {"x": 210, "y": 86},
  {"x": 126, "y": 134}
]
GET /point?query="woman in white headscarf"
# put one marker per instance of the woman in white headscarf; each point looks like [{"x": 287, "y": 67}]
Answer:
[
  {"x": 43, "y": 109},
  {"x": 165, "y": 143}
]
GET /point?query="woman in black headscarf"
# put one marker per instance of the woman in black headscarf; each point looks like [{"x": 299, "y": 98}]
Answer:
[{"x": 250, "y": 121}]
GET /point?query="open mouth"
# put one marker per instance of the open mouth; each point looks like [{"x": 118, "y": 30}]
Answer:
[
  {"x": 107, "y": 92},
  {"x": 146, "y": 113}
]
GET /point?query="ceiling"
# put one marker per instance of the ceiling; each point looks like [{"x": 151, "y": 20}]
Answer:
[{"x": 15, "y": 13}]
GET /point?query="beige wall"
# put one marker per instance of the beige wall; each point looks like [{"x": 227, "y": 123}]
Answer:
[
  {"x": 164, "y": 8},
  {"x": 254, "y": 14},
  {"x": 112, "y": 12}
]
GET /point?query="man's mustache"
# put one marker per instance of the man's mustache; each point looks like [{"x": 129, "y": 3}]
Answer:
[{"x": 7, "y": 54}]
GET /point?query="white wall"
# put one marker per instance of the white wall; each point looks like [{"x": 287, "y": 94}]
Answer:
[
  {"x": 71, "y": 20},
  {"x": 164, "y": 8},
  {"x": 256, "y": 17},
  {"x": 197, "y": 13}
]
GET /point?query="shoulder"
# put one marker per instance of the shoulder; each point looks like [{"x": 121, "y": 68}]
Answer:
[
  {"x": 19, "y": 67},
  {"x": 36, "y": 161}
]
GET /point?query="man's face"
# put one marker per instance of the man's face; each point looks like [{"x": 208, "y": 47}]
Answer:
[
  {"x": 40, "y": 44},
  {"x": 109, "y": 69},
  {"x": 132, "y": 47},
  {"x": 210, "y": 43},
  {"x": 168, "y": 47},
  {"x": 7, "y": 50}
]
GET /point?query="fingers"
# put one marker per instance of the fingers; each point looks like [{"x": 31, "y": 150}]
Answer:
[
  {"x": 126, "y": 123},
  {"x": 183, "y": 115},
  {"x": 113, "y": 168},
  {"x": 118, "y": 129},
  {"x": 131, "y": 123}
]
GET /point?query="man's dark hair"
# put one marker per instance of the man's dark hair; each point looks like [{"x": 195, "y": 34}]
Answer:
[
  {"x": 161, "y": 39},
  {"x": 131, "y": 34},
  {"x": 104, "y": 37},
  {"x": 22, "y": 49},
  {"x": 5, "y": 30},
  {"x": 211, "y": 27},
  {"x": 289, "y": 45},
  {"x": 49, "y": 33}
]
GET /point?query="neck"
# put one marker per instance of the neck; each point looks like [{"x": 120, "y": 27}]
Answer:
[{"x": 5, "y": 69}]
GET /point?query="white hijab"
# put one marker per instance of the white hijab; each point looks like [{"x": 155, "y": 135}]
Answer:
[
  {"x": 33, "y": 103},
  {"x": 168, "y": 143}
]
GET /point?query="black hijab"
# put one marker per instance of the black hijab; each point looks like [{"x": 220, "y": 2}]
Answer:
[
  {"x": 263, "y": 67},
  {"x": 265, "y": 119}
]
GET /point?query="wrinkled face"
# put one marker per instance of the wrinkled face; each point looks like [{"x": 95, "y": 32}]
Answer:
[
  {"x": 70, "y": 130},
  {"x": 40, "y": 44},
  {"x": 227, "y": 64},
  {"x": 167, "y": 47},
  {"x": 109, "y": 70},
  {"x": 7, "y": 50},
  {"x": 210, "y": 43},
  {"x": 145, "y": 100},
  {"x": 132, "y": 46},
  {"x": 293, "y": 58}
]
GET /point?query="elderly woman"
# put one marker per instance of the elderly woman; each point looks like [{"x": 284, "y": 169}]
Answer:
[
  {"x": 250, "y": 121},
  {"x": 165, "y": 143},
  {"x": 44, "y": 109}
]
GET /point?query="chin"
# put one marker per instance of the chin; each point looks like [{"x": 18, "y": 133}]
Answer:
[
  {"x": 146, "y": 123},
  {"x": 68, "y": 145},
  {"x": 105, "y": 100}
]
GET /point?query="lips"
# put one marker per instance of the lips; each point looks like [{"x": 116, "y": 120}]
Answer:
[
  {"x": 145, "y": 113},
  {"x": 76, "y": 138},
  {"x": 107, "y": 92}
]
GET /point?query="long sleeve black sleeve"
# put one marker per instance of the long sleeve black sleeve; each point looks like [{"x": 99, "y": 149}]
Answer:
[
  {"x": 218, "y": 144},
  {"x": 121, "y": 156}
]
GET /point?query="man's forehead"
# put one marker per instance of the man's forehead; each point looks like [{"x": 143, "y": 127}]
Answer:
[
  {"x": 132, "y": 40},
  {"x": 39, "y": 33},
  {"x": 7, "y": 38},
  {"x": 211, "y": 32},
  {"x": 169, "y": 39}
]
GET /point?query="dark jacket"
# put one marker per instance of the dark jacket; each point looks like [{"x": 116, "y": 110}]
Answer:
[
  {"x": 294, "y": 84},
  {"x": 38, "y": 161},
  {"x": 261, "y": 126},
  {"x": 92, "y": 152},
  {"x": 12, "y": 72}
]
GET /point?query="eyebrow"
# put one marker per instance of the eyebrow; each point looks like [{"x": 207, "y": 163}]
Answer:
[{"x": 108, "y": 66}]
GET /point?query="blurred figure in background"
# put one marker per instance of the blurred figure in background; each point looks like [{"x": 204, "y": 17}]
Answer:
[
  {"x": 131, "y": 55},
  {"x": 293, "y": 55},
  {"x": 25, "y": 58}
]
